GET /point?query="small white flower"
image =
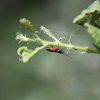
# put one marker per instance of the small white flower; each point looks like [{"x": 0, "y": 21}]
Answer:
[
  {"x": 21, "y": 37},
  {"x": 42, "y": 28}
]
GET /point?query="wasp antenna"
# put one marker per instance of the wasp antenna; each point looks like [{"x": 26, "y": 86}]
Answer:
[
  {"x": 69, "y": 40},
  {"x": 61, "y": 38}
]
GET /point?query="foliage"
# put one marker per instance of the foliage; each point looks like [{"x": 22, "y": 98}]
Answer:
[{"x": 89, "y": 19}]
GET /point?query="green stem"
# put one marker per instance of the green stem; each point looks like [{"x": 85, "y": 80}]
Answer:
[{"x": 78, "y": 48}]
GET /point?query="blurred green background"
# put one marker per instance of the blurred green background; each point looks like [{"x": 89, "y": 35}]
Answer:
[{"x": 47, "y": 76}]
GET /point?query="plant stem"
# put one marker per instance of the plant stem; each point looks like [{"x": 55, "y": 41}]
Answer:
[{"x": 78, "y": 48}]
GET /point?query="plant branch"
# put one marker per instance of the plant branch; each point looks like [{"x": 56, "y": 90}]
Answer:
[{"x": 25, "y": 54}]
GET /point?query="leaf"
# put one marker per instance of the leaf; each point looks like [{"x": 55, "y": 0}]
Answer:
[
  {"x": 91, "y": 14},
  {"x": 90, "y": 19},
  {"x": 25, "y": 54},
  {"x": 95, "y": 35}
]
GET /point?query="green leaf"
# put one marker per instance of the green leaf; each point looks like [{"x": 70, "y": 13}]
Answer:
[
  {"x": 91, "y": 14},
  {"x": 90, "y": 19},
  {"x": 25, "y": 54},
  {"x": 95, "y": 35}
]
